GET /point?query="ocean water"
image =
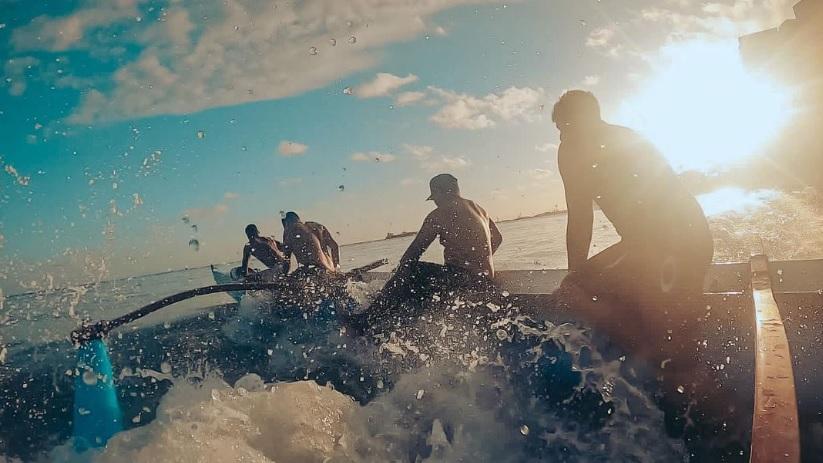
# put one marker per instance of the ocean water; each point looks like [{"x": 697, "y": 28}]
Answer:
[{"x": 206, "y": 380}]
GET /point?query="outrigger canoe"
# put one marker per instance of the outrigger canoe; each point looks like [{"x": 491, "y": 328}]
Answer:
[{"x": 766, "y": 316}]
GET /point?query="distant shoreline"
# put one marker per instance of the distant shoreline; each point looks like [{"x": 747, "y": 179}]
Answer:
[
  {"x": 391, "y": 236},
  {"x": 542, "y": 214},
  {"x": 388, "y": 237}
]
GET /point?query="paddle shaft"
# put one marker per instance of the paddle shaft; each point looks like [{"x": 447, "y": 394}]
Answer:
[{"x": 96, "y": 330}]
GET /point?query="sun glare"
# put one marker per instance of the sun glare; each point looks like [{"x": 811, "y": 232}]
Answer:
[
  {"x": 704, "y": 110},
  {"x": 735, "y": 200}
]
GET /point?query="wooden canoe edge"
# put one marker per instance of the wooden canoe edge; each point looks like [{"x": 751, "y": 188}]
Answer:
[{"x": 775, "y": 429}]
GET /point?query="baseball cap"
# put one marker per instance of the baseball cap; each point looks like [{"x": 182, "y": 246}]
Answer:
[{"x": 445, "y": 183}]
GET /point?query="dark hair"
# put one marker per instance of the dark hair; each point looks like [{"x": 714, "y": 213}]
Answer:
[
  {"x": 576, "y": 105},
  {"x": 291, "y": 217},
  {"x": 251, "y": 230}
]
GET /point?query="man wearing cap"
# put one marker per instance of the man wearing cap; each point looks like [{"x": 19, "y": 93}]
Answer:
[
  {"x": 665, "y": 246},
  {"x": 311, "y": 243},
  {"x": 469, "y": 238},
  {"x": 266, "y": 250}
]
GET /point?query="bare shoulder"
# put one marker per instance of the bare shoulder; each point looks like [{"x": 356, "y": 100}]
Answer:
[
  {"x": 316, "y": 227},
  {"x": 567, "y": 154},
  {"x": 434, "y": 217}
]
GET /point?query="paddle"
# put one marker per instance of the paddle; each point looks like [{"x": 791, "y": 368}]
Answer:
[{"x": 97, "y": 414}]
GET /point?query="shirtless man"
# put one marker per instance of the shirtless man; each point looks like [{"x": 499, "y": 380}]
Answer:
[
  {"x": 311, "y": 243},
  {"x": 665, "y": 246},
  {"x": 469, "y": 238},
  {"x": 267, "y": 251}
]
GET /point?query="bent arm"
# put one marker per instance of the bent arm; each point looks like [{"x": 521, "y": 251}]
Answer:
[
  {"x": 578, "y": 233},
  {"x": 332, "y": 244},
  {"x": 580, "y": 215},
  {"x": 281, "y": 252},
  {"x": 287, "y": 252},
  {"x": 244, "y": 266},
  {"x": 421, "y": 242},
  {"x": 496, "y": 236}
]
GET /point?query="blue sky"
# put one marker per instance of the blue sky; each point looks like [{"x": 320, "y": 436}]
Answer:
[{"x": 118, "y": 119}]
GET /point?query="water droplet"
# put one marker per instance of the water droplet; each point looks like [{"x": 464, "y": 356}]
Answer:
[
  {"x": 236, "y": 28},
  {"x": 681, "y": 389},
  {"x": 352, "y": 39},
  {"x": 341, "y": 187},
  {"x": 194, "y": 228},
  {"x": 270, "y": 352},
  {"x": 583, "y": 22},
  {"x": 524, "y": 430},
  {"x": 332, "y": 42},
  {"x": 201, "y": 134},
  {"x": 194, "y": 244},
  {"x": 348, "y": 91},
  {"x": 379, "y": 384},
  {"x": 136, "y": 419},
  {"x": 594, "y": 298},
  {"x": 420, "y": 394},
  {"x": 89, "y": 378},
  {"x": 313, "y": 50},
  {"x": 502, "y": 334}
]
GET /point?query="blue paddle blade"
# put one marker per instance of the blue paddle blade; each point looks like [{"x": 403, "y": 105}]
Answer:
[{"x": 97, "y": 414}]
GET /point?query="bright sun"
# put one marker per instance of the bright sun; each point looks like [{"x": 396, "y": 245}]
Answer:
[{"x": 704, "y": 110}]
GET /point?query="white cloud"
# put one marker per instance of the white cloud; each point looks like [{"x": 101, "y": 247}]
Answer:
[
  {"x": 445, "y": 163},
  {"x": 230, "y": 195},
  {"x": 546, "y": 147},
  {"x": 719, "y": 20},
  {"x": 603, "y": 40},
  {"x": 462, "y": 111},
  {"x": 243, "y": 52},
  {"x": 591, "y": 81},
  {"x": 407, "y": 98},
  {"x": 373, "y": 156},
  {"x": 291, "y": 148},
  {"x": 16, "y": 72},
  {"x": 383, "y": 84},
  {"x": 408, "y": 182},
  {"x": 600, "y": 38},
  {"x": 69, "y": 32},
  {"x": 430, "y": 160},
  {"x": 419, "y": 151}
]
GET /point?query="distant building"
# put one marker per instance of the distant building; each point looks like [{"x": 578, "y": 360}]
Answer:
[{"x": 793, "y": 55}]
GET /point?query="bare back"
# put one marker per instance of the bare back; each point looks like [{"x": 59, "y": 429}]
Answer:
[
  {"x": 463, "y": 228},
  {"x": 266, "y": 251},
  {"x": 302, "y": 241}
]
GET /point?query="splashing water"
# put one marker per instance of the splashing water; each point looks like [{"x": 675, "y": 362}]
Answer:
[{"x": 444, "y": 388}]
